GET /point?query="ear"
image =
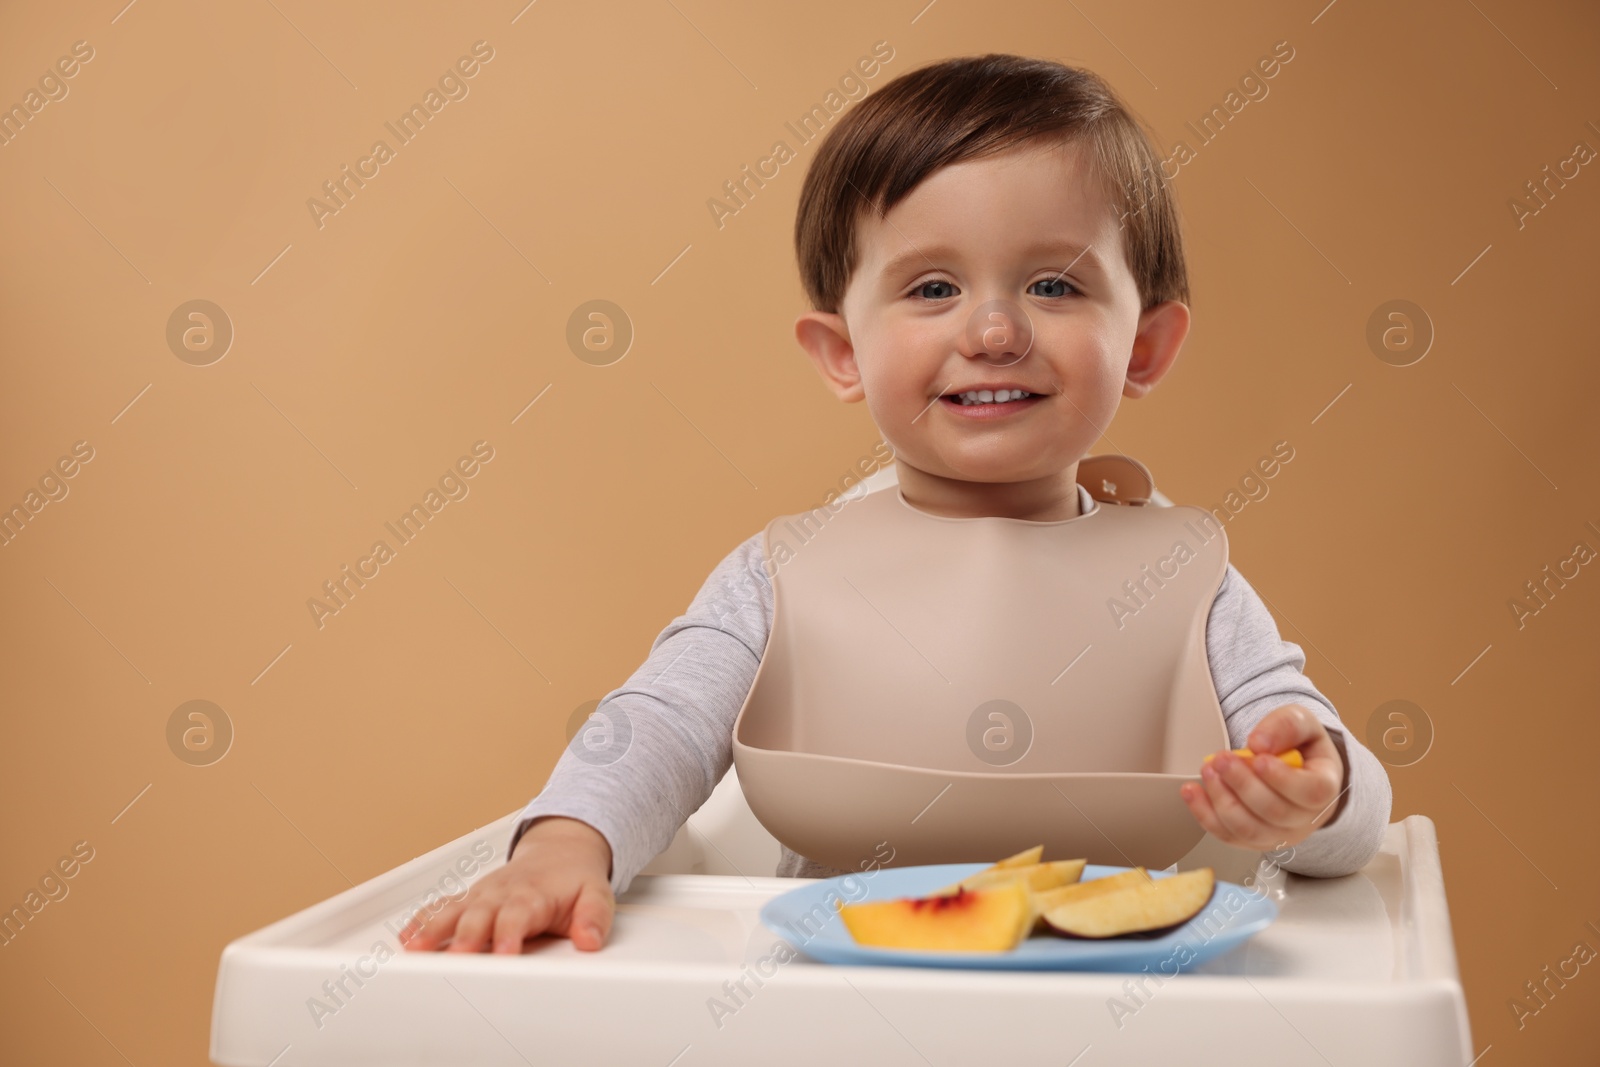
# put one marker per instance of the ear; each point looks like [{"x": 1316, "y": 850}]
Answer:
[
  {"x": 1155, "y": 347},
  {"x": 826, "y": 339}
]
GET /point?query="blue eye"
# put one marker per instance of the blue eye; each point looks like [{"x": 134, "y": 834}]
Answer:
[
  {"x": 1055, "y": 281},
  {"x": 1059, "y": 287},
  {"x": 920, "y": 289}
]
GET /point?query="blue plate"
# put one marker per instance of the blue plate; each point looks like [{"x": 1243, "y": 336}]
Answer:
[{"x": 807, "y": 919}]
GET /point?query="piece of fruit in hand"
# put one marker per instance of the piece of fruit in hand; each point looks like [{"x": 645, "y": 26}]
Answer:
[
  {"x": 1291, "y": 757},
  {"x": 995, "y": 919},
  {"x": 1137, "y": 903}
]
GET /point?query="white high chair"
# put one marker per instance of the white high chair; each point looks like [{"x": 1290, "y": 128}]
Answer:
[{"x": 1359, "y": 969}]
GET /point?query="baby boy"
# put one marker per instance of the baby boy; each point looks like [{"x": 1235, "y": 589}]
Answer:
[{"x": 1021, "y": 196}]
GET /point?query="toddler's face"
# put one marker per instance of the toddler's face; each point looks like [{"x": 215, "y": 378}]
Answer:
[{"x": 1000, "y": 272}]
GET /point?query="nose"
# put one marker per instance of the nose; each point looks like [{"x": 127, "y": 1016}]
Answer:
[{"x": 999, "y": 332}]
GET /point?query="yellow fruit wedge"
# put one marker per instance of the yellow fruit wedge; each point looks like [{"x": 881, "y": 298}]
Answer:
[
  {"x": 1137, "y": 905},
  {"x": 1026, "y": 858},
  {"x": 1291, "y": 757},
  {"x": 1094, "y": 887},
  {"x": 1035, "y": 878},
  {"x": 971, "y": 920}
]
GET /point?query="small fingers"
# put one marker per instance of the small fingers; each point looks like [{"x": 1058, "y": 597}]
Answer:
[
  {"x": 1200, "y": 806},
  {"x": 591, "y": 919},
  {"x": 1240, "y": 826},
  {"x": 1288, "y": 726},
  {"x": 409, "y": 930},
  {"x": 424, "y": 932},
  {"x": 523, "y": 915},
  {"x": 1250, "y": 781},
  {"x": 1205, "y": 813},
  {"x": 1310, "y": 788},
  {"x": 475, "y": 925}
]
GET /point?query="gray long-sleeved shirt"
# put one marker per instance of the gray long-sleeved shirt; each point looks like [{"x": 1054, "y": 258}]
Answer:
[{"x": 678, "y": 710}]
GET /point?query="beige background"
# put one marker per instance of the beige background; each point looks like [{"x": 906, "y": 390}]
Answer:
[{"x": 370, "y": 353}]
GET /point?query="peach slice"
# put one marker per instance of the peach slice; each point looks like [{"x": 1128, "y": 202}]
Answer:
[
  {"x": 970, "y": 920},
  {"x": 1138, "y": 905},
  {"x": 1292, "y": 757}
]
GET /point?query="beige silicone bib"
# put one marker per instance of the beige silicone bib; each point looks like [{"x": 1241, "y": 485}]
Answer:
[{"x": 965, "y": 688}]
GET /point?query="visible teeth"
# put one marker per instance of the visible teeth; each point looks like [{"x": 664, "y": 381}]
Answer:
[{"x": 986, "y": 396}]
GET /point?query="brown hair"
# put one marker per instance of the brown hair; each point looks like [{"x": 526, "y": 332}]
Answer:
[{"x": 974, "y": 106}]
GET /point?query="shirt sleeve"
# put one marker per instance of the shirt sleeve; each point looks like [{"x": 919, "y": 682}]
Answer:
[
  {"x": 654, "y": 749},
  {"x": 1255, "y": 671}
]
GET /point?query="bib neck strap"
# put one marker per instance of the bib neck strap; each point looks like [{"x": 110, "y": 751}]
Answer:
[{"x": 1117, "y": 479}]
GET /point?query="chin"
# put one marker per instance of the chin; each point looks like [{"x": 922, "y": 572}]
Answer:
[{"x": 994, "y": 474}]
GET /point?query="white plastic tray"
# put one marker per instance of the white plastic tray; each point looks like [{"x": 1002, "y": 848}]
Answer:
[{"x": 1357, "y": 970}]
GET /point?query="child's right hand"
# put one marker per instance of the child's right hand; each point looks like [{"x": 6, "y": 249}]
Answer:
[{"x": 557, "y": 881}]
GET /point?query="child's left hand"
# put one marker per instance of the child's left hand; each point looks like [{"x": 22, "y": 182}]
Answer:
[{"x": 1262, "y": 802}]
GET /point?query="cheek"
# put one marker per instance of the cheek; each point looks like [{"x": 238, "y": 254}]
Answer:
[
  {"x": 877, "y": 377},
  {"x": 891, "y": 403},
  {"x": 1094, "y": 373},
  {"x": 897, "y": 361}
]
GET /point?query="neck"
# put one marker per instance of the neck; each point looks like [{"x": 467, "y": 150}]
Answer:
[{"x": 1048, "y": 499}]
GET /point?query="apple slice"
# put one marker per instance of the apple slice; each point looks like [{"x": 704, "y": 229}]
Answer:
[
  {"x": 997, "y": 872},
  {"x": 1138, "y": 905},
  {"x": 1026, "y": 858},
  {"x": 1051, "y": 898},
  {"x": 971, "y": 920},
  {"x": 1036, "y": 878}
]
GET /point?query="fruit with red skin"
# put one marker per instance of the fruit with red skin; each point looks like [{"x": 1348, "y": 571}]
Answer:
[{"x": 1138, "y": 904}]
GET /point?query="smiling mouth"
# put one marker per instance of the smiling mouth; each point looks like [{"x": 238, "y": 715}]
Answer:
[{"x": 969, "y": 397}]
